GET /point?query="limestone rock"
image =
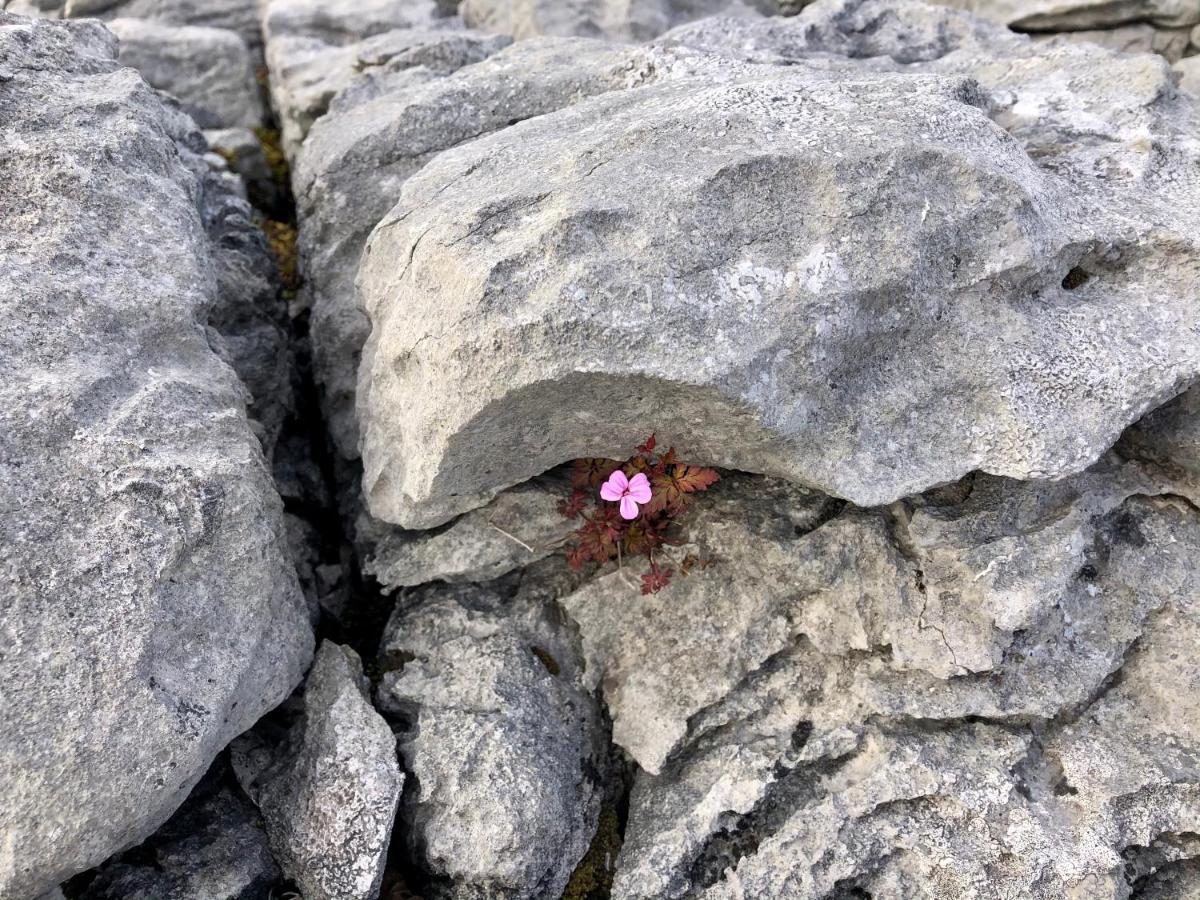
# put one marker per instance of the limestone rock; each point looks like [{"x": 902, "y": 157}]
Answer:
[
  {"x": 208, "y": 69},
  {"x": 833, "y": 767},
  {"x": 239, "y": 16},
  {"x": 1170, "y": 43},
  {"x": 214, "y": 848},
  {"x": 624, "y": 268},
  {"x": 150, "y": 610},
  {"x": 1080, "y": 15},
  {"x": 329, "y": 791},
  {"x": 356, "y": 161},
  {"x": 627, "y": 20},
  {"x": 1189, "y": 74},
  {"x": 519, "y": 527},
  {"x": 312, "y": 54},
  {"x": 1170, "y": 435},
  {"x": 505, "y": 744}
]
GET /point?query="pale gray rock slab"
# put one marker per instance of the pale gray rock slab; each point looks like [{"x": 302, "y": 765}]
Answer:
[
  {"x": 829, "y": 768},
  {"x": 151, "y": 611},
  {"x": 240, "y": 16},
  {"x": 1189, "y": 74},
  {"x": 1080, "y": 15},
  {"x": 1170, "y": 43},
  {"x": 209, "y": 70},
  {"x": 519, "y": 527},
  {"x": 311, "y": 52},
  {"x": 623, "y": 20},
  {"x": 329, "y": 791},
  {"x": 381, "y": 131},
  {"x": 214, "y": 847},
  {"x": 505, "y": 746}
]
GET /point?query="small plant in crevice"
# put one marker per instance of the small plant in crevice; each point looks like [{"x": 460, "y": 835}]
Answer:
[{"x": 631, "y": 508}]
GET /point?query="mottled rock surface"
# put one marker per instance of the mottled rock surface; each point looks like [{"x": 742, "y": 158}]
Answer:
[
  {"x": 623, "y": 268},
  {"x": 208, "y": 69},
  {"x": 505, "y": 744},
  {"x": 150, "y": 612},
  {"x": 329, "y": 791},
  {"x": 1008, "y": 732}
]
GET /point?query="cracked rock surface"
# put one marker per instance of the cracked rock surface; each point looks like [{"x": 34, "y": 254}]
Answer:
[
  {"x": 505, "y": 743},
  {"x": 329, "y": 790},
  {"x": 150, "y": 612}
]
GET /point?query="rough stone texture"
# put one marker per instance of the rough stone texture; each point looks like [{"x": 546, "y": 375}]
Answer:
[
  {"x": 1170, "y": 435},
  {"x": 150, "y": 612},
  {"x": 1170, "y": 43},
  {"x": 505, "y": 744},
  {"x": 796, "y": 306},
  {"x": 1189, "y": 74},
  {"x": 1005, "y": 717},
  {"x": 519, "y": 527},
  {"x": 312, "y": 52},
  {"x": 329, "y": 791},
  {"x": 208, "y": 69},
  {"x": 636, "y": 20},
  {"x": 1080, "y": 15},
  {"x": 383, "y": 130},
  {"x": 213, "y": 848}
]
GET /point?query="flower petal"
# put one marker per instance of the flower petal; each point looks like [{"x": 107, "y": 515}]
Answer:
[
  {"x": 639, "y": 488},
  {"x": 629, "y": 508},
  {"x": 614, "y": 488}
]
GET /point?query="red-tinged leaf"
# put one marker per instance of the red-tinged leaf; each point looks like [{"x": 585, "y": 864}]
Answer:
[
  {"x": 647, "y": 447},
  {"x": 695, "y": 478},
  {"x": 574, "y": 506},
  {"x": 669, "y": 458},
  {"x": 589, "y": 474},
  {"x": 576, "y": 557},
  {"x": 641, "y": 539},
  {"x": 655, "y": 580}
]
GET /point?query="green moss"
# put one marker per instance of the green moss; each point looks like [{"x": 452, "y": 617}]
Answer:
[
  {"x": 282, "y": 238},
  {"x": 593, "y": 877},
  {"x": 273, "y": 151}
]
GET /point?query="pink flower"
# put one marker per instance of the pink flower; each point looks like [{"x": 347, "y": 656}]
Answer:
[{"x": 629, "y": 491}]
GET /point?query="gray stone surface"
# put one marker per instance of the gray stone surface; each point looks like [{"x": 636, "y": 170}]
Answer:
[
  {"x": 623, "y": 20},
  {"x": 519, "y": 527},
  {"x": 797, "y": 307},
  {"x": 329, "y": 791},
  {"x": 1080, "y": 15},
  {"x": 150, "y": 612},
  {"x": 383, "y": 130},
  {"x": 243, "y": 152},
  {"x": 312, "y": 54},
  {"x": 208, "y": 69},
  {"x": 213, "y": 848},
  {"x": 1170, "y": 43},
  {"x": 1189, "y": 74},
  {"x": 505, "y": 746},
  {"x": 1024, "y": 759}
]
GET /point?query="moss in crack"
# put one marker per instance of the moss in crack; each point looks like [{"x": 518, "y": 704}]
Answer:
[
  {"x": 593, "y": 877},
  {"x": 281, "y": 237}
]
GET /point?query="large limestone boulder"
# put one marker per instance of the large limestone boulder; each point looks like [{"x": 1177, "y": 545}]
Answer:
[
  {"x": 504, "y": 741},
  {"x": 329, "y": 789},
  {"x": 209, "y": 69},
  {"x": 150, "y": 612},
  {"x": 790, "y": 290}
]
